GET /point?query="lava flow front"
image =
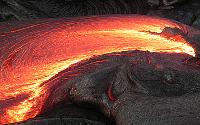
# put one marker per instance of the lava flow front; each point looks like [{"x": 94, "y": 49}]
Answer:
[{"x": 32, "y": 53}]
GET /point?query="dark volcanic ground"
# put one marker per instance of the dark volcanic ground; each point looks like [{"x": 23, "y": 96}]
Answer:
[{"x": 185, "y": 11}]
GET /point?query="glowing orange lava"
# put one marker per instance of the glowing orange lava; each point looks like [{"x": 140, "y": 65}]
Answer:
[{"x": 33, "y": 53}]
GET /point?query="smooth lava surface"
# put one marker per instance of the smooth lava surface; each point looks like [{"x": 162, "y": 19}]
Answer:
[{"x": 35, "y": 51}]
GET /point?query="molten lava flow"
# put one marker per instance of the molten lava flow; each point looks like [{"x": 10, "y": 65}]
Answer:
[{"x": 32, "y": 54}]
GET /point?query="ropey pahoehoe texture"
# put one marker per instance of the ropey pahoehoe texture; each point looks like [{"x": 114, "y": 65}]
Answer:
[{"x": 44, "y": 62}]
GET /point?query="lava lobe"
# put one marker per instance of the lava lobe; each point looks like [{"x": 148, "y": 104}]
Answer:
[{"x": 38, "y": 60}]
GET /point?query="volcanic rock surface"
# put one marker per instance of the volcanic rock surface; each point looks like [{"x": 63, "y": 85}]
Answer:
[{"x": 144, "y": 88}]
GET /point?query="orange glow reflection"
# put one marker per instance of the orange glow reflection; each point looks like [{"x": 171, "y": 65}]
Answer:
[{"x": 34, "y": 54}]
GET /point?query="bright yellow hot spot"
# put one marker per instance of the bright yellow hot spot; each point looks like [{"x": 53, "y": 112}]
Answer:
[{"x": 147, "y": 41}]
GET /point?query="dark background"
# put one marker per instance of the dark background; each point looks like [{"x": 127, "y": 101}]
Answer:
[{"x": 185, "y": 11}]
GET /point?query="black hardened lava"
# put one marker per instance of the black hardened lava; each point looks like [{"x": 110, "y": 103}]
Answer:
[
  {"x": 136, "y": 88},
  {"x": 185, "y": 11}
]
